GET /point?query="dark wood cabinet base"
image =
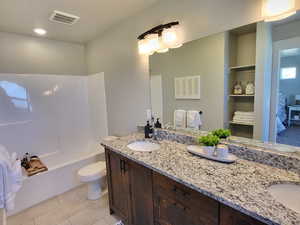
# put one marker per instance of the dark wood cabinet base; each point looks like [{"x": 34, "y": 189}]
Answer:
[
  {"x": 111, "y": 211},
  {"x": 230, "y": 216},
  {"x": 140, "y": 196}
]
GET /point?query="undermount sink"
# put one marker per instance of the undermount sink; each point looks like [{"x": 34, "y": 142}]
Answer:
[
  {"x": 143, "y": 146},
  {"x": 287, "y": 194}
]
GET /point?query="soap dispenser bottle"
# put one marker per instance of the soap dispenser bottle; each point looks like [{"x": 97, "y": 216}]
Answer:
[
  {"x": 157, "y": 124},
  {"x": 148, "y": 130},
  {"x": 25, "y": 162}
]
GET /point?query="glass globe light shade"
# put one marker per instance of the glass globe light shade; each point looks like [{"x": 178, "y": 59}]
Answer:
[{"x": 274, "y": 10}]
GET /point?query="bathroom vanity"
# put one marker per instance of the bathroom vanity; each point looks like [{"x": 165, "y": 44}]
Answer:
[
  {"x": 173, "y": 187},
  {"x": 141, "y": 196}
]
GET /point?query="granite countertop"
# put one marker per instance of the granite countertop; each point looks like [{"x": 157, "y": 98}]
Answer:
[{"x": 241, "y": 185}]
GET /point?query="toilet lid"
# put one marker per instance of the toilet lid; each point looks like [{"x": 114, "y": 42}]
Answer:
[{"x": 92, "y": 169}]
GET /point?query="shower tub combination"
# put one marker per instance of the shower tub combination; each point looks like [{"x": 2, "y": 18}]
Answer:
[
  {"x": 60, "y": 177},
  {"x": 59, "y": 118}
]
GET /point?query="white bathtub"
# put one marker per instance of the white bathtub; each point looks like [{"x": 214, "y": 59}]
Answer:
[{"x": 60, "y": 177}]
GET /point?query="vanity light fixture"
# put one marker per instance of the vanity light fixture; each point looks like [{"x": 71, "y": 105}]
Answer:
[
  {"x": 274, "y": 10},
  {"x": 163, "y": 48},
  {"x": 152, "y": 42},
  {"x": 40, "y": 31},
  {"x": 159, "y": 39},
  {"x": 170, "y": 38},
  {"x": 144, "y": 48}
]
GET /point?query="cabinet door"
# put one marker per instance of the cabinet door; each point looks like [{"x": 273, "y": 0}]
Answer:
[
  {"x": 141, "y": 195},
  {"x": 229, "y": 216},
  {"x": 170, "y": 212},
  {"x": 193, "y": 206},
  {"x": 118, "y": 185}
]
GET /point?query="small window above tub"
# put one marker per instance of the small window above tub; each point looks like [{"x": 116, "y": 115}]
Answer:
[{"x": 288, "y": 73}]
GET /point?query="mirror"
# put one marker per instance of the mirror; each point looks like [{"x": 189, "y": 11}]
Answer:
[{"x": 235, "y": 79}]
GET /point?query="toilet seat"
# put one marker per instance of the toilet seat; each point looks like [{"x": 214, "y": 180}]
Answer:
[{"x": 92, "y": 172}]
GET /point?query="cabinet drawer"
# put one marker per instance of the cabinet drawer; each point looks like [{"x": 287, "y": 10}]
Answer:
[
  {"x": 203, "y": 208},
  {"x": 169, "y": 212},
  {"x": 173, "y": 189}
]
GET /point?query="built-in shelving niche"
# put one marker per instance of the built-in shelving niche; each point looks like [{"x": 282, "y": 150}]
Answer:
[{"x": 242, "y": 58}]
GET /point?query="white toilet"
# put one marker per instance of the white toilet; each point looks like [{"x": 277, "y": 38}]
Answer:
[{"x": 92, "y": 175}]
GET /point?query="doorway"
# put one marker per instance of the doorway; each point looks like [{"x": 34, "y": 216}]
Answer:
[
  {"x": 286, "y": 83},
  {"x": 157, "y": 96}
]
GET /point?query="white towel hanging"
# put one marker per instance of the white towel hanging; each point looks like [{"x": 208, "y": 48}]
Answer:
[
  {"x": 194, "y": 120},
  {"x": 179, "y": 119},
  {"x": 11, "y": 178}
]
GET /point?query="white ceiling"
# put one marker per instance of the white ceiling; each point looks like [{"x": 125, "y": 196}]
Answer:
[{"x": 21, "y": 16}]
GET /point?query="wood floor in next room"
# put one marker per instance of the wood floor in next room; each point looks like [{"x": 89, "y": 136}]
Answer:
[{"x": 70, "y": 208}]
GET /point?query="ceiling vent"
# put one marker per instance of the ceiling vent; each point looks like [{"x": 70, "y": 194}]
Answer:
[{"x": 64, "y": 18}]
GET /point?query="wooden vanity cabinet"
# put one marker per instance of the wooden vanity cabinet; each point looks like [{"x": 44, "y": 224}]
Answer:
[
  {"x": 177, "y": 204},
  {"x": 169, "y": 211},
  {"x": 130, "y": 190},
  {"x": 229, "y": 216},
  {"x": 140, "y": 196},
  {"x": 118, "y": 185}
]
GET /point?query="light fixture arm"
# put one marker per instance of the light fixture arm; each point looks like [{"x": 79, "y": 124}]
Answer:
[{"x": 157, "y": 30}]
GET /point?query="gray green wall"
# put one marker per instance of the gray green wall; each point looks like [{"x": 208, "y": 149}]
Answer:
[
  {"x": 23, "y": 54},
  {"x": 127, "y": 74},
  {"x": 204, "y": 57}
]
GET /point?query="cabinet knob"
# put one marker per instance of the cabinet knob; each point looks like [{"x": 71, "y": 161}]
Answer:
[{"x": 122, "y": 166}]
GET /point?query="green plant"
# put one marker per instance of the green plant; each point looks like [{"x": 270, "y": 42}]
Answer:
[
  {"x": 209, "y": 140},
  {"x": 222, "y": 133}
]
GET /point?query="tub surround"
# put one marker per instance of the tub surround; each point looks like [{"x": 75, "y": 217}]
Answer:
[
  {"x": 241, "y": 185},
  {"x": 62, "y": 169},
  {"x": 59, "y": 118}
]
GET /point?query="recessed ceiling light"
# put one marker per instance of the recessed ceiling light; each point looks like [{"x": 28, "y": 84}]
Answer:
[{"x": 40, "y": 31}]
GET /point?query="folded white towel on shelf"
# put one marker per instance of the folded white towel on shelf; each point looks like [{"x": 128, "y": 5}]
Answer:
[
  {"x": 194, "y": 120},
  {"x": 179, "y": 119},
  {"x": 244, "y": 113},
  {"x": 243, "y": 121},
  {"x": 244, "y": 117},
  {"x": 11, "y": 178}
]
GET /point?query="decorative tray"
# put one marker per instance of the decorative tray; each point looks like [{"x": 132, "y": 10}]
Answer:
[
  {"x": 36, "y": 166},
  {"x": 200, "y": 151}
]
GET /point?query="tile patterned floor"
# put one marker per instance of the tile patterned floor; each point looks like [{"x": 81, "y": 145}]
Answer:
[{"x": 70, "y": 208}]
